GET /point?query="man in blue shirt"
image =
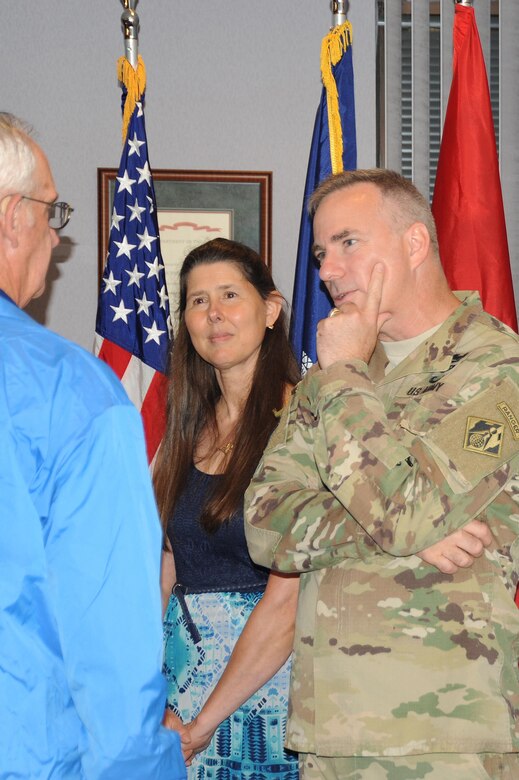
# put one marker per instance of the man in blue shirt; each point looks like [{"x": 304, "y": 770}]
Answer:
[{"x": 81, "y": 692}]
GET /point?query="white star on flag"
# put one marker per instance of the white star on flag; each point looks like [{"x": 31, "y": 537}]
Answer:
[
  {"x": 125, "y": 183},
  {"x": 154, "y": 333},
  {"x": 116, "y": 220},
  {"x": 136, "y": 211},
  {"x": 144, "y": 174},
  {"x": 135, "y": 146},
  {"x": 111, "y": 283},
  {"x": 144, "y": 305},
  {"x": 145, "y": 239},
  {"x": 135, "y": 276},
  {"x": 125, "y": 248},
  {"x": 164, "y": 297},
  {"x": 121, "y": 312},
  {"x": 154, "y": 267}
]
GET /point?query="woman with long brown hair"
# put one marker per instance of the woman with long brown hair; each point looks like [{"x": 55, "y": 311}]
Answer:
[{"x": 231, "y": 371}]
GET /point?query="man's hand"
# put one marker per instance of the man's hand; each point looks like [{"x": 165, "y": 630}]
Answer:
[
  {"x": 173, "y": 722},
  {"x": 459, "y": 549},
  {"x": 352, "y": 334}
]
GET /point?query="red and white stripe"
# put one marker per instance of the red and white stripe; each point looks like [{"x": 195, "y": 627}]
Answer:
[{"x": 146, "y": 388}]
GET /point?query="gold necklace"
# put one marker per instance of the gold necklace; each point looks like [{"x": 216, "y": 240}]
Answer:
[{"x": 226, "y": 449}]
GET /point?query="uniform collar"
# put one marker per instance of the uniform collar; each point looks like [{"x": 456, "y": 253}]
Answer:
[{"x": 436, "y": 353}]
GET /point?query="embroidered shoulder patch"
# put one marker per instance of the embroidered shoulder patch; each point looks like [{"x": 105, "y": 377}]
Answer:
[
  {"x": 513, "y": 422},
  {"x": 484, "y": 436},
  {"x": 477, "y": 439}
]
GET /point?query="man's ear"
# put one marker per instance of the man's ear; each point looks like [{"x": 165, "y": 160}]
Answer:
[
  {"x": 418, "y": 243},
  {"x": 274, "y": 305},
  {"x": 9, "y": 218}
]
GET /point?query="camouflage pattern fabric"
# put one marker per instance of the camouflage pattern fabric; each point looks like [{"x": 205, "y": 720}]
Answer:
[
  {"x": 392, "y": 657},
  {"x": 437, "y": 766}
]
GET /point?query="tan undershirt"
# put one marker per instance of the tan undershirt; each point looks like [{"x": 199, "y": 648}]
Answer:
[{"x": 397, "y": 351}]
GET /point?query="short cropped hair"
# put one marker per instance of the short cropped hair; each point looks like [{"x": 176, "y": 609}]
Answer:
[
  {"x": 406, "y": 204},
  {"x": 17, "y": 160}
]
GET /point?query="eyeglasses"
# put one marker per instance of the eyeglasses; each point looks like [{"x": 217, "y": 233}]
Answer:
[{"x": 59, "y": 213}]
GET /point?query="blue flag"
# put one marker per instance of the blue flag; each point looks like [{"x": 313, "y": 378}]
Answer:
[{"x": 336, "y": 112}]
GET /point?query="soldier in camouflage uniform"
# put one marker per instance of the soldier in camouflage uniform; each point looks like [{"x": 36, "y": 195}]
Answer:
[{"x": 400, "y": 671}]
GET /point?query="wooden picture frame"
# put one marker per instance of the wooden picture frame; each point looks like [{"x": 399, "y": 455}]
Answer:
[{"x": 195, "y": 206}]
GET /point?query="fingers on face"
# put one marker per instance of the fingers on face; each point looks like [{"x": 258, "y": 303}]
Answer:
[
  {"x": 376, "y": 281},
  {"x": 375, "y": 287}
]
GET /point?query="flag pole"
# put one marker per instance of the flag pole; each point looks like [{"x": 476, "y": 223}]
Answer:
[
  {"x": 338, "y": 12},
  {"x": 130, "y": 26}
]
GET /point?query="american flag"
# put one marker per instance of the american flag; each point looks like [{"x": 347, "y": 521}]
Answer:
[{"x": 133, "y": 318}]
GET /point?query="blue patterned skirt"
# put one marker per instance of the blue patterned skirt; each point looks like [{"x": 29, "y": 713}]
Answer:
[{"x": 249, "y": 744}]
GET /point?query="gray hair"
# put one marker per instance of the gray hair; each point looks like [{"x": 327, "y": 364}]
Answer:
[
  {"x": 406, "y": 204},
  {"x": 17, "y": 160}
]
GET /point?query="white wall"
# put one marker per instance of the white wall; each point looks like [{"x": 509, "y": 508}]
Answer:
[{"x": 232, "y": 84}]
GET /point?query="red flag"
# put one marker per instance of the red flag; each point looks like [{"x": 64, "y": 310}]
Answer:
[{"x": 467, "y": 203}]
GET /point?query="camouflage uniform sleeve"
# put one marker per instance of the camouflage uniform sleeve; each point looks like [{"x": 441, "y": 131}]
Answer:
[{"x": 342, "y": 484}]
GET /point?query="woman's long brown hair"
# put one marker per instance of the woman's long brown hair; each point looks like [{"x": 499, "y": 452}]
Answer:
[{"x": 193, "y": 393}]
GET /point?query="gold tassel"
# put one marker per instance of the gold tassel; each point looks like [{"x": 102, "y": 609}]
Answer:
[
  {"x": 134, "y": 79},
  {"x": 334, "y": 45}
]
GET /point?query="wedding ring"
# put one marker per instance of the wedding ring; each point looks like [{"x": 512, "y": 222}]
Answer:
[{"x": 334, "y": 312}]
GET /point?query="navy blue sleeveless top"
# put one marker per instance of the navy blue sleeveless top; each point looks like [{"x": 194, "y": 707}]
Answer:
[{"x": 210, "y": 562}]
